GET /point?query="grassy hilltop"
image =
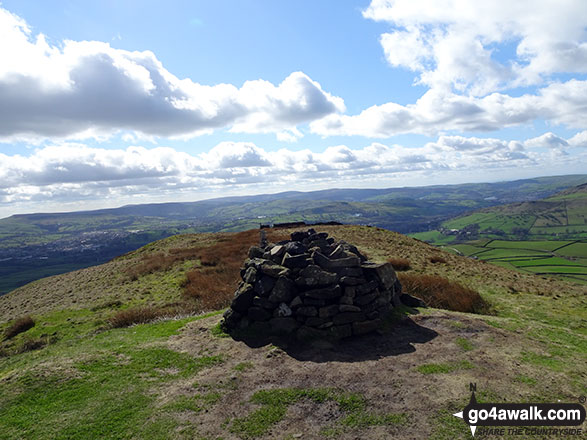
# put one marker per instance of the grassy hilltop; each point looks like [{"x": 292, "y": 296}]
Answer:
[{"x": 77, "y": 369}]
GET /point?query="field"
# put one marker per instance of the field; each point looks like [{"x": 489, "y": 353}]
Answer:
[{"x": 561, "y": 259}]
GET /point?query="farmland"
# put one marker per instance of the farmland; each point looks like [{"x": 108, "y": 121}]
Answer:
[{"x": 560, "y": 259}]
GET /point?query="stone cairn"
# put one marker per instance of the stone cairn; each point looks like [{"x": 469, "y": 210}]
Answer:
[{"x": 311, "y": 287}]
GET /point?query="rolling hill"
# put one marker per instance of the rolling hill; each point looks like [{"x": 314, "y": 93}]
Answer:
[
  {"x": 76, "y": 375},
  {"x": 37, "y": 245},
  {"x": 547, "y": 237}
]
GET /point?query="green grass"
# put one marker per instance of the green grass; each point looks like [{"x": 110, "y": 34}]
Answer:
[
  {"x": 464, "y": 343},
  {"x": 274, "y": 405},
  {"x": 578, "y": 249},
  {"x": 95, "y": 386},
  {"x": 445, "y": 368},
  {"x": 243, "y": 366}
]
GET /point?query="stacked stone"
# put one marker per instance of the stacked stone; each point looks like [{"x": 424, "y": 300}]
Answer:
[{"x": 314, "y": 287}]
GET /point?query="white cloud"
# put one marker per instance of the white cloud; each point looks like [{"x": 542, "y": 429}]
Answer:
[
  {"x": 464, "y": 46},
  {"x": 89, "y": 89},
  {"x": 74, "y": 172},
  {"x": 438, "y": 111}
]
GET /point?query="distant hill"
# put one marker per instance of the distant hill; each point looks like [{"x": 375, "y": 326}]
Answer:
[
  {"x": 70, "y": 373},
  {"x": 37, "y": 245},
  {"x": 546, "y": 237}
]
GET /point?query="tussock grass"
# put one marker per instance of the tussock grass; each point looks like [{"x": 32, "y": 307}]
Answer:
[
  {"x": 437, "y": 259},
  {"x": 144, "y": 314},
  {"x": 399, "y": 264},
  {"x": 441, "y": 293},
  {"x": 21, "y": 325},
  {"x": 213, "y": 284}
]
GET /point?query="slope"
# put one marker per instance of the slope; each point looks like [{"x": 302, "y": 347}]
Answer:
[
  {"x": 546, "y": 237},
  {"x": 179, "y": 377}
]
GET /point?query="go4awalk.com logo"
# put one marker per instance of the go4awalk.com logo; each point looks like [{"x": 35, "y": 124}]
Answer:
[{"x": 543, "y": 419}]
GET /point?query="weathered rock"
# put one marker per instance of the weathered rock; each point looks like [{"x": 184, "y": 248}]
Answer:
[
  {"x": 313, "y": 287},
  {"x": 296, "y": 261},
  {"x": 277, "y": 251},
  {"x": 361, "y": 328},
  {"x": 313, "y": 276},
  {"x": 366, "y": 299},
  {"x": 250, "y": 275},
  {"x": 367, "y": 288},
  {"x": 262, "y": 328},
  {"x": 264, "y": 285},
  {"x": 263, "y": 302},
  {"x": 282, "y": 311},
  {"x": 314, "y": 302},
  {"x": 327, "y": 311},
  {"x": 316, "y": 321},
  {"x": 326, "y": 293},
  {"x": 258, "y": 314},
  {"x": 296, "y": 302},
  {"x": 340, "y": 331},
  {"x": 273, "y": 270},
  {"x": 295, "y": 248},
  {"x": 345, "y": 299},
  {"x": 345, "y": 318},
  {"x": 283, "y": 291},
  {"x": 298, "y": 236},
  {"x": 355, "y": 272},
  {"x": 243, "y": 299},
  {"x": 348, "y": 308},
  {"x": 255, "y": 252},
  {"x": 411, "y": 301},
  {"x": 382, "y": 272},
  {"x": 306, "y": 334},
  {"x": 307, "y": 311},
  {"x": 331, "y": 265},
  {"x": 255, "y": 262},
  {"x": 231, "y": 319},
  {"x": 318, "y": 236},
  {"x": 283, "y": 326},
  {"x": 352, "y": 281}
]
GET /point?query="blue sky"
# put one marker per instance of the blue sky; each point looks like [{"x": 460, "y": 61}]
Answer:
[{"x": 112, "y": 102}]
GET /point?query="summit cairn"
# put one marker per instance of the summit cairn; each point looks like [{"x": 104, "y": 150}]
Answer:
[{"x": 311, "y": 287}]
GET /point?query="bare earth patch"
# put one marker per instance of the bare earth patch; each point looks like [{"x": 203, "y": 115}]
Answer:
[{"x": 381, "y": 367}]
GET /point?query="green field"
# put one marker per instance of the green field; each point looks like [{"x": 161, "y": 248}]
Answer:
[{"x": 561, "y": 259}]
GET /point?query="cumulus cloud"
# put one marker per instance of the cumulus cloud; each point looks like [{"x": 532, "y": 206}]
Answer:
[
  {"x": 437, "y": 111},
  {"x": 452, "y": 44},
  {"x": 72, "y": 171},
  {"x": 87, "y": 88},
  {"x": 462, "y": 54}
]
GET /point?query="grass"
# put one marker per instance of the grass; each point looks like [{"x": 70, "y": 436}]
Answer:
[
  {"x": 399, "y": 264},
  {"x": 140, "y": 315},
  {"x": 444, "y": 368},
  {"x": 442, "y": 293},
  {"x": 464, "y": 343},
  {"x": 20, "y": 325},
  {"x": 92, "y": 387},
  {"x": 560, "y": 259},
  {"x": 243, "y": 366},
  {"x": 274, "y": 405}
]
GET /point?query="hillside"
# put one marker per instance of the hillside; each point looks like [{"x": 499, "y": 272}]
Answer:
[
  {"x": 74, "y": 376},
  {"x": 546, "y": 237},
  {"x": 37, "y": 245}
]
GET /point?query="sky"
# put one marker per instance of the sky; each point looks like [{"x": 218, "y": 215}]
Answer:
[{"x": 113, "y": 102}]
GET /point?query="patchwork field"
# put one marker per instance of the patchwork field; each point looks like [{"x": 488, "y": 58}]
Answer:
[{"x": 561, "y": 259}]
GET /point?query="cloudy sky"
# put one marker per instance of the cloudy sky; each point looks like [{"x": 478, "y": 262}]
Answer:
[{"x": 110, "y": 102}]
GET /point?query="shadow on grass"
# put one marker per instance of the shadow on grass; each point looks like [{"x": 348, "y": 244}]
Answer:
[{"x": 398, "y": 336}]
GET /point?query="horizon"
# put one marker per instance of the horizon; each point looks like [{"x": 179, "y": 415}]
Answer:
[
  {"x": 107, "y": 104},
  {"x": 282, "y": 192}
]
